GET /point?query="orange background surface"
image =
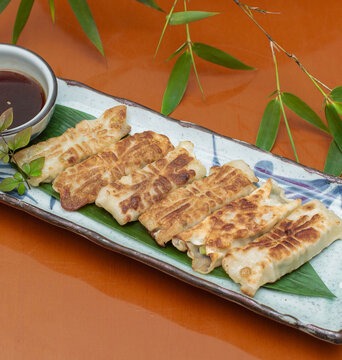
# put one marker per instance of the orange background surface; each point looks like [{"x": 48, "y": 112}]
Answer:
[{"x": 63, "y": 297}]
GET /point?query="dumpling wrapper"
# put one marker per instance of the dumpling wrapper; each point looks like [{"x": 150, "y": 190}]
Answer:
[
  {"x": 129, "y": 197},
  {"x": 293, "y": 242},
  {"x": 87, "y": 138},
  {"x": 187, "y": 206},
  {"x": 80, "y": 184},
  {"x": 236, "y": 224}
]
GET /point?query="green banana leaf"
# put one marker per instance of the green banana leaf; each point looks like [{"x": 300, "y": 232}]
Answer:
[{"x": 304, "y": 281}]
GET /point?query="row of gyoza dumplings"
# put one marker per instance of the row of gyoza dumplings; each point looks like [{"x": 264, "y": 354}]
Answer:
[{"x": 217, "y": 219}]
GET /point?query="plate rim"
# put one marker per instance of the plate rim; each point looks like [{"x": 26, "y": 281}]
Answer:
[{"x": 331, "y": 336}]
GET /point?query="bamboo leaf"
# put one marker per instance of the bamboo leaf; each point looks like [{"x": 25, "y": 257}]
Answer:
[
  {"x": 177, "y": 83},
  {"x": 269, "y": 125},
  {"x": 338, "y": 107},
  {"x": 186, "y": 17},
  {"x": 86, "y": 20},
  {"x": 333, "y": 162},
  {"x": 21, "y": 18},
  {"x": 3, "y": 5},
  {"x": 22, "y": 138},
  {"x": 151, "y": 3},
  {"x": 6, "y": 119},
  {"x": 218, "y": 57},
  {"x": 67, "y": 117},
  {"x": 335, "y": 124},
  {"x": 336, "y": 94},
  {"x": 303, "y": 110},
  {"x": 272, "y": 93},
  {"x": 8, "y": 184},
  {"x": 303, "y": 281},
  {"x": 178, "y": 51},
  {"x": 52, "y": 9}
]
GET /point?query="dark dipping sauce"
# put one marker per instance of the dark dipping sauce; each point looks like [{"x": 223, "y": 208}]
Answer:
[{"x": 23, "y": 94}]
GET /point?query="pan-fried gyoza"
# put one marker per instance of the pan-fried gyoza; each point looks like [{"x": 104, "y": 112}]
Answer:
[
  {"x": 187, "y": 206},
  {"x": 129, "y": 197},
  {"x": 87, "y": 138},
  {"x": 294, "y": 241},
  {"x": 237, "y": 223},
  {"x": 258, "y": 235},
  {"x": 80, "y": 184}
]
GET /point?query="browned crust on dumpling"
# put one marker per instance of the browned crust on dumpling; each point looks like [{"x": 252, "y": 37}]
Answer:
[
  {"x": 221, "y": 232},
  {"x": 127, "y": 198},
  {"x": 88, "y": 137},
  {"x": 80, "y": 184},
  {"x": 288, "y": 235},
  {"x": 187, "y": 206},
  {"x": 235, "y": 224},
  {"x": 291, "y": 243},
  {"x": 174, "y": 172}
]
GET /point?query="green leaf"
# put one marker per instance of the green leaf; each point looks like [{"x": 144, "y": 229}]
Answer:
[
  {"x": 303, "y": 110},
  {"x": 304, "y": 281},
  {"x": 8, "y": 184},
  {"x": 336, "y": 94},
  {"x": 52, "y": 9},
  {"x": 26, "y": 168},
  {"x": 5, "y": 159},
  {"x": 272, "y": 93},
  {"x": 21, "y": 19},
  {"x": 269, "y": 125},
  {"x": 3, "y": 150},
  {"x": 186, "y": 17},
  {"x": 22, "y": 138},
  {"x": 67, "y": 117},
  {"x": 21, "y": 188},
  {"x": 10, "y": 145},
  {"x": 179, "y": 50},
  {"x": 338, "y": 107},
  {"x": 36, "y": 166},
  {"x": 18, "y": 176},
  {"x": 335, "y": 124},
  {"x": 218, "y": 57},
  {"x": 333, "y": 162},
  {"x": 36, "y": 173},
  {"x": 86, "y": 20},
  {"x": 6, "y": 119},
  {"x": 151, "y": 3},
  {"x": 3, "y": 5},
  {"x": 177, "y": 83},
  {"x": 298, "y": 282}
]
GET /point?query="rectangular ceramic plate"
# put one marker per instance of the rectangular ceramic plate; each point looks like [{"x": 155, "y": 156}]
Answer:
[{"x": 317, "y": 316}]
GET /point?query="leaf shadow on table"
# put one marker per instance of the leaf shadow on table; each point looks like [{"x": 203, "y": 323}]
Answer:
[{"x": 127, "y": 280}]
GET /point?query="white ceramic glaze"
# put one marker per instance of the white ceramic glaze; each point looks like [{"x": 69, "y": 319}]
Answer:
[{"x": 18, "y": 59}]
